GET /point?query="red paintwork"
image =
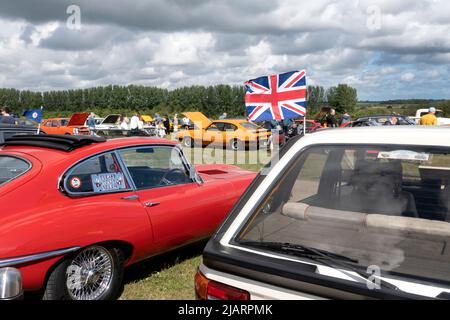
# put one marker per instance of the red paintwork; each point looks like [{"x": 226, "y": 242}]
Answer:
[
  {"x": 313, "y": 125},
  {"x": 36, "y": 217}
]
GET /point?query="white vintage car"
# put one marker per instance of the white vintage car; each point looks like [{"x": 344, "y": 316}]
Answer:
[{"x": 357, "y": 213}]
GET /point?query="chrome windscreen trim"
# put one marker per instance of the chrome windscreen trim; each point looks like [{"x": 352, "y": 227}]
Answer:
[{"x": 9, "y": 262}]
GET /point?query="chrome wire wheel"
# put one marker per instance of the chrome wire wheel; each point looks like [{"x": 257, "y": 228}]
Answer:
[{"x": 90, "y": 274}]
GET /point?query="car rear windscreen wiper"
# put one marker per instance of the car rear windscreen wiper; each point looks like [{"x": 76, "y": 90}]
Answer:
[
  {"x": 329, "y": 258},
  {"x": 297, "y": 250}
]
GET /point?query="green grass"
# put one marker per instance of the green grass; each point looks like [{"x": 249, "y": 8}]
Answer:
[{"x": 170, "y": 276}]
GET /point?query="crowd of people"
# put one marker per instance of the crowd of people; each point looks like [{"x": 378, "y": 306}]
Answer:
[{"x": 161, "y": 125}]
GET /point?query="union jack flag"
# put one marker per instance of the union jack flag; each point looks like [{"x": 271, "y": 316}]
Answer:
[{"x": 276, "y": 97}]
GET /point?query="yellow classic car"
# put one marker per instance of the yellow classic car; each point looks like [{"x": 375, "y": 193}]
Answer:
[{"x": 235, "y": 134}]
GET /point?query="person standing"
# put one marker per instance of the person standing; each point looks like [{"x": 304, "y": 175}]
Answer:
[
  {"x": 223, "y": 116},
  {"x": 161, "y": 130},
  {"x": 286, "y": 125},
  {"x": 124, "y": 122},
  {"x": 6, "y": 117},
  {"x": 140, "y": 123},
  {"x": 185, "y": 123},
  {"x": 134, "y": 124},
  {"x": 345, "y": 118},
  {"x": 158, "y": 118},
  {"x": 331, "y": 119},
  {"x": 175, "y": 123},
  {"x": 166, "y": 123},
  {"x": 91, "y": 124},
  {"x": 429, "y": 119}
]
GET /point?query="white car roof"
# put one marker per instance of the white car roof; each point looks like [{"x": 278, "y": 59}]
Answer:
[{"x": 404, "y": 135}]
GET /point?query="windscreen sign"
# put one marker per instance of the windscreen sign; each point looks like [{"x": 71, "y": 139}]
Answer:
[{"x": 106, "y": 182}]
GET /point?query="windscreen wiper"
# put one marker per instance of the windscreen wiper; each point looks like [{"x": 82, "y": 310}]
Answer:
[
  {"x": 326, "y": 257},
  {"x": 297, "y": 250}
]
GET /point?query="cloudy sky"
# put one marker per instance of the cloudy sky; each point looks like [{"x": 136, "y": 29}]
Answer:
[{"x": 385, "y": 48}]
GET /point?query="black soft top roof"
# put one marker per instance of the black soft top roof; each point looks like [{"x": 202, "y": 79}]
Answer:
[
  {"x": 59, "y": 142},
  {"x": 7, "y": 126}
]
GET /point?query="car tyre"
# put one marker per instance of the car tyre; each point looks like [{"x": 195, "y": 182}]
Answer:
[
  {"x": 188, "y": 142},
  {"x": 70, "y": 282}
]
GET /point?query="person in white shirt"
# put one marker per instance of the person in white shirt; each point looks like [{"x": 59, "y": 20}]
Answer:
[
  {"x": 134, "y": 124},
  {"x": 175, "y": 123},
  {"x": 185, "y": 122},
  {"x": 124, "y": 122}
]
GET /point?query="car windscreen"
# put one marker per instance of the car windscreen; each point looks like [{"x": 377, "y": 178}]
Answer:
[
  {"x": 374, "y": 205},
  {"x": 249, "y": 126},
  {"x": 11, "y": 168}
]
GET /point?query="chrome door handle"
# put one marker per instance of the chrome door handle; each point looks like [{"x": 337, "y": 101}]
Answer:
[
  {"x": 130, "y": 198},
  {"x": 151, "y": 204}
]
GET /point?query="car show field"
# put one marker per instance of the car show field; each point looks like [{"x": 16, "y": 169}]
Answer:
[{"x": 236, "y": 158}]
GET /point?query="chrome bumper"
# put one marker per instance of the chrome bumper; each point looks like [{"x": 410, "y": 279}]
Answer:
[{"x": 10, "y": 284}]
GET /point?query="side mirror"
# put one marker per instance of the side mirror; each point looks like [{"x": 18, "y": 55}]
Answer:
[{"x": 193, "y": 175}]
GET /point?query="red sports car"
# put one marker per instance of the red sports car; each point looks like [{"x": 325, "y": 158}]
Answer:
[{"x": 74, "y": 211}]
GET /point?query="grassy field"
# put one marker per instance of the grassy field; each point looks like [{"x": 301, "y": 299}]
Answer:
[{"x": 171, "y": 276}]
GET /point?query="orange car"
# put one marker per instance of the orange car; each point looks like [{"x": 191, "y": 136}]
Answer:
[
  {"x": 74, "y": 126},
  {"x": 233, "y": 134}
]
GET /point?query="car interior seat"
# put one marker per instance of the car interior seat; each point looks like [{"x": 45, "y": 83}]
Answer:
[{"x": 377, "y": 188}]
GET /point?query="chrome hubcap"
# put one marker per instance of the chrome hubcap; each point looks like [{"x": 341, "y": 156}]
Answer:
[{"x": 89, "y": 274}]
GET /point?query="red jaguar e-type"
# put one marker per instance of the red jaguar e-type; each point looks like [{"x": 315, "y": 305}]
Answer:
[{"x": 75, "y": 211}]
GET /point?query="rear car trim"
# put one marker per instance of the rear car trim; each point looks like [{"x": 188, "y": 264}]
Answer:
[{"x": 34, "y": 257}]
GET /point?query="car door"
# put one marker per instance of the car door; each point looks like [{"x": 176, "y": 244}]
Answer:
[
  {"x": 179, "y": 208},
  {"x": 99, "y": 188},
  {"x": 48, "y": 127},
  {"x": 213, "y": 134}
]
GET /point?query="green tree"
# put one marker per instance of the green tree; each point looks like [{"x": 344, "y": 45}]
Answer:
[
  {"x": 342, "y": 98},
  {"x": 316, "y": 99}
]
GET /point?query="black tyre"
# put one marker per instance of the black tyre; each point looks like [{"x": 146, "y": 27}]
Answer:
[
  {"x": 93, "y": 273},
  {"x": 188, "y": 142},
  {"x": 237, "y": 145}
]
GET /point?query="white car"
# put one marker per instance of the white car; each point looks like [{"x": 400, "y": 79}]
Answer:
[
  {"x": 358, "y": 213},
  {"x": 110, "y": 122}
]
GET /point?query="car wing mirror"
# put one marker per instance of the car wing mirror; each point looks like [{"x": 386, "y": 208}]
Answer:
[{"x": 194, "y": 176}]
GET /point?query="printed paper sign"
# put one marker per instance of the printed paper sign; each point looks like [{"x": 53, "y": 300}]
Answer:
[
  {"x": 106, "y": 182},
  {"x": 404, "y": 155}
]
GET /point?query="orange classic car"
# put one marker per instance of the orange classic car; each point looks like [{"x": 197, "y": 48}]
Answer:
[
  {"x": 236, "y": 134},
  {"x": 73, "y": 126}
]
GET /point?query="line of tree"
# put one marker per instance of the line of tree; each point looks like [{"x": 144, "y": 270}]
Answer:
[{"x": 211, "y": 100}]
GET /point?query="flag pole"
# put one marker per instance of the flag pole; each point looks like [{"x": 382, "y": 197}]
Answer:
[
  {"x": 39, "y": 125},
  {"x": 304, "y": 125}
]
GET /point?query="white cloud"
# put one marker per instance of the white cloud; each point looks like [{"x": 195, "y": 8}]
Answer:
[
  {"x": 175, "y": 43},
  {"x": 388, "y": 70},
  {"x": 408, "y": 77},
  {"x": 183, "y": 48}
]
